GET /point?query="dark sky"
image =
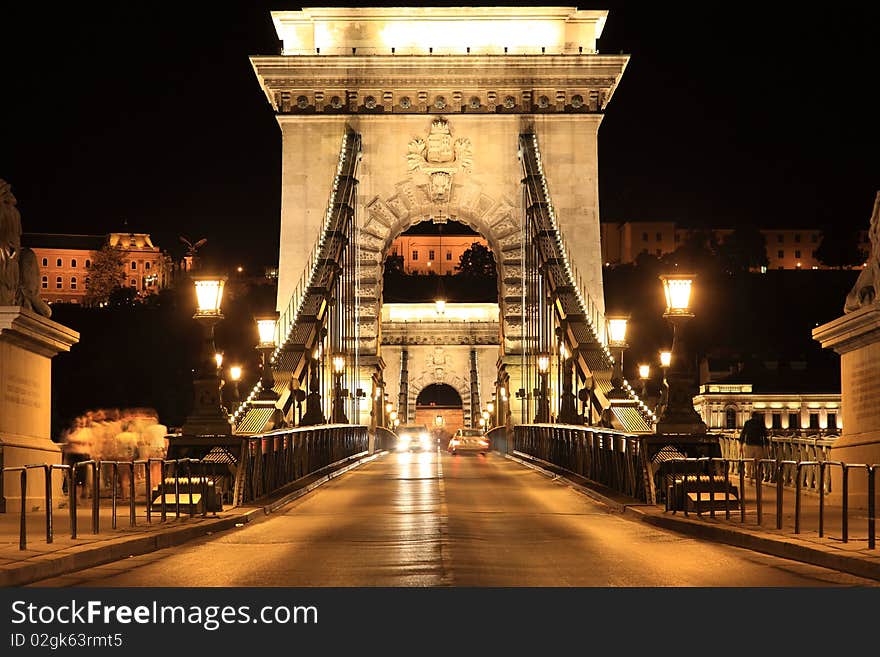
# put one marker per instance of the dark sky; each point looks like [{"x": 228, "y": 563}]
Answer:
[{"x": 149, "y": 113}]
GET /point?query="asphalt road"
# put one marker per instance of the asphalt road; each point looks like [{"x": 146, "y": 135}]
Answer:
[{"x": 439, "y": 520}]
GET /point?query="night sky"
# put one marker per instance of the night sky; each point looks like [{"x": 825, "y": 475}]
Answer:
[{"x": 150, "y": 114}]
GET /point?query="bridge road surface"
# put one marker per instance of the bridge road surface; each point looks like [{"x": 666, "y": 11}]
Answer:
[{"x": 439, "y": 520}]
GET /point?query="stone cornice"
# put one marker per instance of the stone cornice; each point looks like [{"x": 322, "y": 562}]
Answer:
[
  {"x": 446, "y": 333},
  {"x": 39, "y": 334},
  {"x": 851, "y": 331},
  {"x": 418, "y": 84}
]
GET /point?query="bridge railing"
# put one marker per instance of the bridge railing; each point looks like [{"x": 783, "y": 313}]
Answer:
[
  {"x": 608, "y": 457},
  {"x": 386, "y": 439},
  {"x": 272, "y": 460}
]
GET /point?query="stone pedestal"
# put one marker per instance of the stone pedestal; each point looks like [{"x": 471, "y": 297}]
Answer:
[
  {"x": 28, "y": 342},
  {"x": 856, "y": 337}
]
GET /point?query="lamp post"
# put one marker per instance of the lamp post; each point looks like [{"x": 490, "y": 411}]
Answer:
[
  {"x": 665, "y": 361},
  {"x": 235, "y": 377},
  {"x": 388, "y": 408},
  {"x": 543, "y": 411},
  {"x": 314, "y": 413},
  {"x": 338, "y": 413},
  {"x": 208, "y": 416},
  {"x": 490, "y": 409},
  {"x": 266, "y": 330},
  {"x": 567, "y": 402},
  {"x": 617, "y": 325},
  {"x": 218, "y": 358},
  {"x": 644, "y": 375},
  {"x": 678, "y": 415}
]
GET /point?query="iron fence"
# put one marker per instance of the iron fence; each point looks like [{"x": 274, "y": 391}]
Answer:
[
  {"x": 611, "y": 458},
  {"x": 273, "y": 460},
  {"x": 689, "y": 479}
]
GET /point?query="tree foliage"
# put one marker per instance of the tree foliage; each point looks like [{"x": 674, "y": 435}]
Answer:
[
  {"x": 839, "y": 247},
  {"x": 105, "y": 275},
  {"x": 477, "y": 262},
  {"x": 743, "y": 250}
]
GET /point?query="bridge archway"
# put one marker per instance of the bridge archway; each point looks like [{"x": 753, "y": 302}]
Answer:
[{"x": 443, "y": 401}]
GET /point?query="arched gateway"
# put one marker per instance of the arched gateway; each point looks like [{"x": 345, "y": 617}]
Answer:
[{"x": 486, "y": 116}]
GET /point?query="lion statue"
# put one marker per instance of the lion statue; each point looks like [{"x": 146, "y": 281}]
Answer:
[
  {"x": 19, "y": 270},
  {"x": 866, "y": 290}
]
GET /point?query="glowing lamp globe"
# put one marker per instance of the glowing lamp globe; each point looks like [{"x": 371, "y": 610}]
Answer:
[
  {"x": 617, "y": 330},
  {"x": 218, "y": 358},
  {"x": 438, "y": 420},
  {"x": 665, "y": 358},
  {"x": 266, "y": 328},
  {"x": 543, "y": 363},
  {"x": 389, "y": 407},
  {"x": 677, "y": 289},
  {"x": 235, "y": 372},
  {"x": 209, "y": 294},
  {"x": 338, "y": 364},
  {"x": 490, "y": 406},
  {"x": 644, "y": 371}
]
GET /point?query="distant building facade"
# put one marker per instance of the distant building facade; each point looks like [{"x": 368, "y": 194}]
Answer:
[
  {"x": 425, "y": 254},
  {"x": 787, "y": 248},
  {"x": 66, "y": 260}
]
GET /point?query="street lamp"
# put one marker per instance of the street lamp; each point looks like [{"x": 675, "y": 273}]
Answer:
[
  {"x": 230, "y": 390},
  {"x": 314, "y": 413},
  {"x": 678, "y": 414},
  {"x": 617, "y": 325},
  {"x": 567, "y": 402},
  {"x": 665, "y": 361},
  {"x": 644, "y": 375},
  {"x": 338, "y": 413},
  {"x": 208, "y": 416},
  {"x": 543, "y": 411},
  {"x": 218, "y": 358},
  {"x": 266, "y": 329}
]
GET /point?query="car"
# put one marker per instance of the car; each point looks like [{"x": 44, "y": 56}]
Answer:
[
  {"x": 469, "y": 441},
  {"x": 414, "y": 438}
]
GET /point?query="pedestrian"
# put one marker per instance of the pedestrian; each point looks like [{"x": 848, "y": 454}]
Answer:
[{"x": 753, "y": 443}]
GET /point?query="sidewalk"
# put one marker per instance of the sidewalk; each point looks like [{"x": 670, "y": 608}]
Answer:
[
  {"x": 42, "y": 560},
  {"x": 828, "y": 551}
]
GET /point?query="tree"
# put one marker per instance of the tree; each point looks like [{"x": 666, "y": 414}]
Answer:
[
  {"x": 477, "y": 262},
  {"x": 839, "y": 247},
  {"x": 106, "y": 274},
  {"x": 698, "y": 253},
  {"x": 744, "y": 249},
  {"x": 394, "y": 264}
]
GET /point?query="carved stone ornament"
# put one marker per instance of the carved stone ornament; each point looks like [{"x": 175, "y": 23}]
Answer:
[
  {"x": 866, "y": 290},
  {"x": 19, "y": 271},
  {"x": 440, "y": 158}
]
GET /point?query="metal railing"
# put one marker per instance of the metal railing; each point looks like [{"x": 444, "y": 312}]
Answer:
[
  {"x": 386, "y": 439},
  {"x": 786, "y": 449},
  {"x": 685, "y": 477},
  {"x": 608, "y": 457},
  {"x": 273, "y": 460},
  {"x": 97, "y": 469}
]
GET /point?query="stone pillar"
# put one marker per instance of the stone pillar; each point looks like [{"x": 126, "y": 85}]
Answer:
[
  {"x": 856, "y": 337},
  {"x": 28, "y": 342}
]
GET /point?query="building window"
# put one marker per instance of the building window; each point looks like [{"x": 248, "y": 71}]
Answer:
[
  {"x": 794, "y": 420},
  {"x": 58, "y": 262},
  {"x": 730, "y": 418},
  {"x": 88, "y": 280},
  {"x": 58, "y": 283},
  {"x": 73, "y": 282},
  {"x": 88, "y": 264},
  {"x": 779, "y": 238},
  {"x": 415, "y": 255},
  {"x": 644, "y": 237},
  {"x": 659, "y": 237},
  {"x": 146, "y": 265},
  {"x": 73, "y": 263},
  {"x": 449, "y": 255},
  {"x": 430, "y": 254},
  {"x": 814, "y": 420},
  {"x": 133, "y": 282},
  {"x": 797, "y": 238},
  {"x": 780, "y": 254},
  {"x": 134, "y": 265},
  {"x": 797, "y": 253},
  {"x": 832, "y": 421},
  {"x": 45, "y": 283},
  {"x": 777, "y": 420},
  {"x": 45, "y": 262}
]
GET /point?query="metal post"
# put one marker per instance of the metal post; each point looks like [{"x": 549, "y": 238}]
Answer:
[
  {"x": 148, "y": 486},
  {"x": 742, "y": 491},
  {"x": 163, "y": 502},
  {"x": 47, "y": 473},
  {"x": 204, "y": 490},
  {"x": 872, "y": 503},
  {"x": 759, "y": 477},
  {"x": 821, "y": 499},
  {"x": 844, "y": 521},
  {"x": 96, "y": 496},
  {"x": 71, "y": 489},
  {"x": 132, "y": 521},
  {"x": 177, "y": 489},
  {"x": 726, "y": 489},
  {"x": 22, "y": 530},
  {"x": 779, "y": 494},
  {"x": 797, "y": 500},
  {"x": 189, "y": 480},
  {"x": 113, "y": 495}
]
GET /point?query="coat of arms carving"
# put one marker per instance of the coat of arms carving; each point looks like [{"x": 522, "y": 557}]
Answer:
[{"x": 440, "y": 158}]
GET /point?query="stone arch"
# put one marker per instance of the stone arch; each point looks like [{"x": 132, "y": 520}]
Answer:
[
  {"x": 428, "y": 377},
  {"x": 498, "y": 220}
]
